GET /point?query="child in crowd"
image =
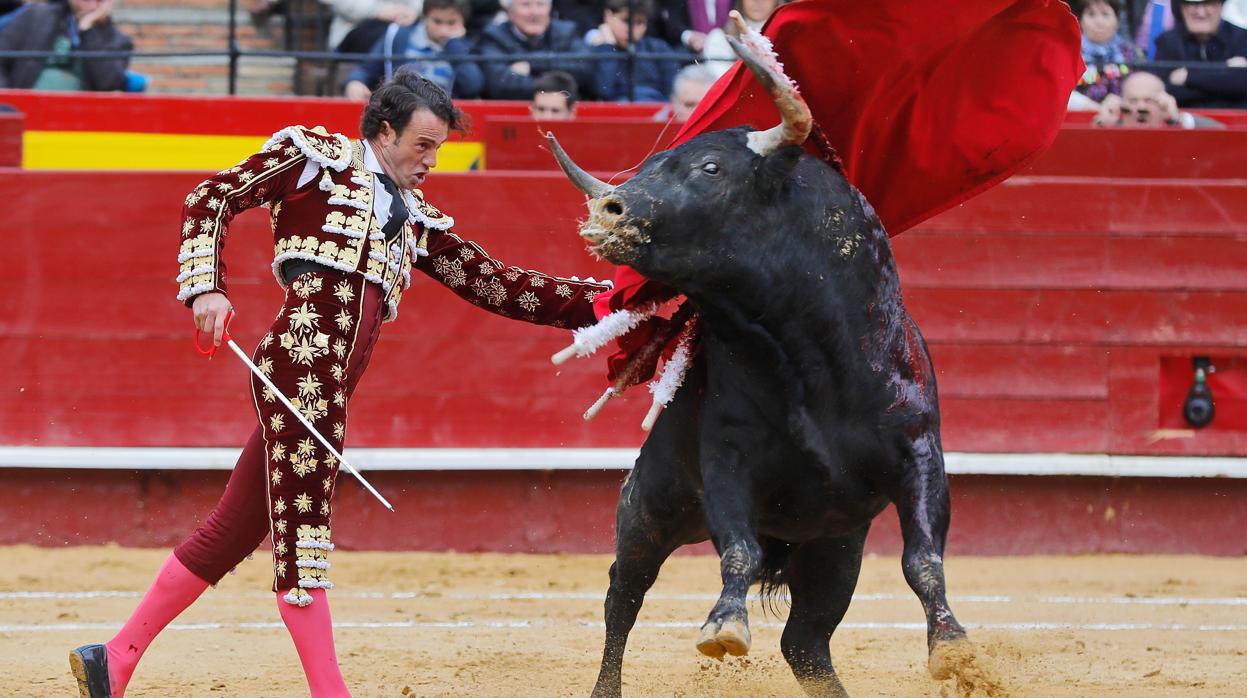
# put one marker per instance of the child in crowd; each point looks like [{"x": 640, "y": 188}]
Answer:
[
  {"x": 1106, "y": 53},
  {"x": 439, "y": 32},
  {"x": 610, "y": 80},
  {"x": 554, "y": 96}
]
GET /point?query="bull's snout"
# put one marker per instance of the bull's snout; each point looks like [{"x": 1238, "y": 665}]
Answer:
[
  {"x": 610, "y": 230},
  {"x": 606, "y": 215}
]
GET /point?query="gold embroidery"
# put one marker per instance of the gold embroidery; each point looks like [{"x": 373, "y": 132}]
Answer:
[
  {"x": 343, "y": 291},
  {"x": 303, "y": 503}
]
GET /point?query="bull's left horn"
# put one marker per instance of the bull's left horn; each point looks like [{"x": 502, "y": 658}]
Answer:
[
  {"x": 797, "y": 120},
  {"x": 592, "y": 187}
]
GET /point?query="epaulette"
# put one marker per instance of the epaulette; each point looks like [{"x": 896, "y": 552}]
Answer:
[
  {"x": 426, "y": 213},
  {"x": 326, "y": 149}
]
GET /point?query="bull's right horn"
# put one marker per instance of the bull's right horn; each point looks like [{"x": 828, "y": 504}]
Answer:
[
  {"x": 797, "y": 120},
  {"x": 591, "y": 186}
]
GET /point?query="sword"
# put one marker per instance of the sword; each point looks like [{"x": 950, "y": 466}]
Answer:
[{"x": 211, "y": 351}]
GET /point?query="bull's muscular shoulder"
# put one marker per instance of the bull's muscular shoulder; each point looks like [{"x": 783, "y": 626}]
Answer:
[
  {"x": 332, "y": 150},
  {"x": 430, "y": 215}
]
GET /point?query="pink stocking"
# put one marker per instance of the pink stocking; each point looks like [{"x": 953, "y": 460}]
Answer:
[
  {"x": 174, "y": 590},
  {"x": 311, "y": 628}
]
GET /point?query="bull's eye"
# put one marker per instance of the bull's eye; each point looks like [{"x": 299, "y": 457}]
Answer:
[{"x": 710, "y": 168}]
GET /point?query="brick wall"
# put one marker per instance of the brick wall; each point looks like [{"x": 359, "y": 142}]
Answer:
[{"x": 203, "y": 25}]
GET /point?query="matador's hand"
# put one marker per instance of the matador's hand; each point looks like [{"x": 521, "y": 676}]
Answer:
[{"x": 210, "y": 310}]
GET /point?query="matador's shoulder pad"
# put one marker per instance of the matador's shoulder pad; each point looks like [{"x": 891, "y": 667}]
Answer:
[
  {"x": 428, "y": 214},
  {"x": 332, "y": 150}
]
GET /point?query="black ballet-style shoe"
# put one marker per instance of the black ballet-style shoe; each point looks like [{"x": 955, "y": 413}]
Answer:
[{"x": 90, "y": 666}]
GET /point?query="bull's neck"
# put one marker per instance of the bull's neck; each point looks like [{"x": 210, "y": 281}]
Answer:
[{"x": 814, "y": 316}]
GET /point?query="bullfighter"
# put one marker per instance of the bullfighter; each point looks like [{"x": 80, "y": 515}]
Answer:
[{"x": 349, "y": 225}]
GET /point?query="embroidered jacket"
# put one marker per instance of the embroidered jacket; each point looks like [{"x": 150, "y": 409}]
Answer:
[{"x": 330, "y": 220}]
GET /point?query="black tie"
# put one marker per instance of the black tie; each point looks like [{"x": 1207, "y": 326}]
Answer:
[{"x": 398, "y": 210}]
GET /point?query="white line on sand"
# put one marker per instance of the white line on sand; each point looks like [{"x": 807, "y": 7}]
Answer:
[
  {"x": 661, "y": 596},
  {"x": 522, "y": 623}
]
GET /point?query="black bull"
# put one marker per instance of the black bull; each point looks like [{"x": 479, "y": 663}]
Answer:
[{"x": 810, "y": 406}]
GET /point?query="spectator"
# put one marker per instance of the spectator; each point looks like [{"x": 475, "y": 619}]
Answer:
[
  {"x": 688, "y": 22},
  {"x": 65, "y": 27},
  {"x": 718, "y": 53},
  {"x": 1144, "y": 103},
  {"x": 554, "y": 97},
  {"x": 440, "y": 32},
  {"x": 358, "y": 24},
  {"x": 528, "y": 28},
  {"x": 691, "y": 85},
  {"x": 1105, "y": 53},
  {"x": 652, "y": 78},
  {"x": 1217, "y": 52}
]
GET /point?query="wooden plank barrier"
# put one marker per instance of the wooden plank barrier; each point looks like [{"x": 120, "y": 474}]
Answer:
[{"x": 1052, "y": 329}]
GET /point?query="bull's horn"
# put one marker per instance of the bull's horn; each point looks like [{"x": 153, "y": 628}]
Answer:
[
  {"x": 592, "y": 187},
  {"x": 797, "y": 120}
]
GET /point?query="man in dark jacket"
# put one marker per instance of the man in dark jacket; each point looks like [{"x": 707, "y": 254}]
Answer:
[
  {"x": 438, "y": 33},
  {"x": 653, "y": 78},
  {"x": 529, "y": 28},
  {"x": 64, "y": 27},
  {"x": 1217, "y": 51}
]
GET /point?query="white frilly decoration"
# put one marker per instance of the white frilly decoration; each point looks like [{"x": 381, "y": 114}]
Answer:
[
  {"x": 587, "y": 340},
  {"x": 326, "y": 182},
  {"x": 295, "y": 134},
  {"x": 297, "y": 597},
  {"x": 672, "y": 378}
]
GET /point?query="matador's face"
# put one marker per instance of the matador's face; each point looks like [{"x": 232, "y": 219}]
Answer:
[{"x": 408, "y": 156}]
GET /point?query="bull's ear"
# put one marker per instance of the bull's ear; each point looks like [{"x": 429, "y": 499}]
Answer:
[{"x": 775, "y": 169}]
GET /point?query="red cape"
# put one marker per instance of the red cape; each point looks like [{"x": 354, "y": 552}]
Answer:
[{"x": 926, "y": 102}]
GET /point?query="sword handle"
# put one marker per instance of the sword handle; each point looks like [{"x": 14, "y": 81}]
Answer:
[{"x": 211, "y": 350}]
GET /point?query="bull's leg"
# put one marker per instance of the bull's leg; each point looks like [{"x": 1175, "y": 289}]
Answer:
[
  {"x": 923, "y": 506},
  {"x": 821, "y": 577},
  {"x": 644, "y": 543},
  {"x": 658, "y": 512},
  {"x": 729, "y": 516}
]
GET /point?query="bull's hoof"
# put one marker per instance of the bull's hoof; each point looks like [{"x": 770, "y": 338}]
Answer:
[
  {"x": 949, "y": 657},
  {"x": 729, "y": 637}
]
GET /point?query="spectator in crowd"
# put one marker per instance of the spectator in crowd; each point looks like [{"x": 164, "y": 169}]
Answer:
[
  {"x": 1144, "y": 103},
  {"x": 691, "y": 84},
  {"x": 718, "y": 53},
  {"x": 554, "y": 97},
  {"x": 651, "y": 81},
  {"x": 528, "y": 28},
  {"x": 688, "y": 22},
  {"x": 439, "y": 32},
  {"x": 1105, "y": 52},
  {"x": 358, "y": 24},
  {"x": 65, "y": 27},
  {"x": 1216, "y": 52}
]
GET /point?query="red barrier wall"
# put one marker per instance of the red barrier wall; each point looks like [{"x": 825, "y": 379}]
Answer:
[
  {"x": 1049, "y": 305},
  {"x": 574, "y": 512}
]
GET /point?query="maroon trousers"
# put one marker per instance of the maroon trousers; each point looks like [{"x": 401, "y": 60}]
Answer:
[{"x": 255, "y": 503}]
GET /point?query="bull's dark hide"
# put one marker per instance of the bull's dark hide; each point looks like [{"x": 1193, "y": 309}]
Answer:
[{"x": 810, "y": 406}]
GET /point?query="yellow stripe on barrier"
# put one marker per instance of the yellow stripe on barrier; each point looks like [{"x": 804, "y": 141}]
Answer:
[{"x": 112, "y": 150}]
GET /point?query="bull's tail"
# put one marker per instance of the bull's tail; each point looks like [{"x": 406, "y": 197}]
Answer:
[{"x": 773, "y": 575}]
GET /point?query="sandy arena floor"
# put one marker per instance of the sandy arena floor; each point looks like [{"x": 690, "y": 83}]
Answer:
[{"x": 515, "y": 625}]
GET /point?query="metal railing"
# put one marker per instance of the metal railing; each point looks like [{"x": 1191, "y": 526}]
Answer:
[{"x": 632, "y": 57}]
